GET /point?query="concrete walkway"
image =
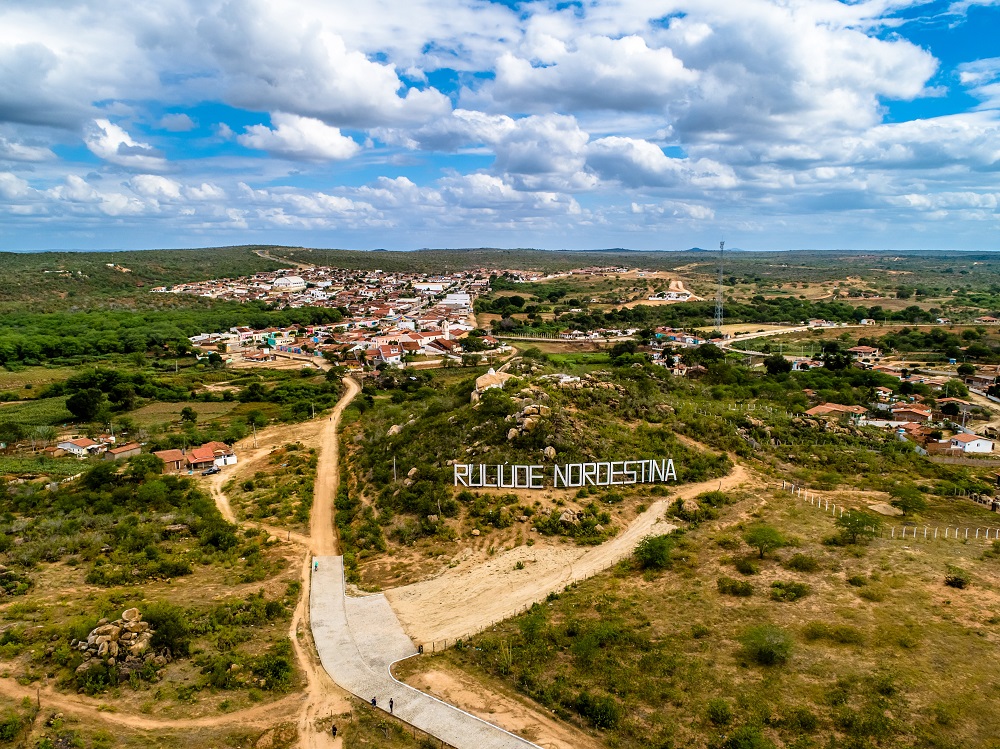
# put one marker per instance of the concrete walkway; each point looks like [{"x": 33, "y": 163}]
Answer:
[{"x": 358, "y": 639}]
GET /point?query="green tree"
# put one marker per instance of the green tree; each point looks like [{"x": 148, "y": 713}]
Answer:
[
  {"x": 908, "y": 498},
  {"x": 858, "y": 525},
  {"x": 189, "y": 415},
  {"x": 776, "y": 364},
  {"x": 763, "y": 538},
  {"x": 965, "y": 369},
  {"x": 141, "y": 466},
  {"x": 85, "y": 404}
]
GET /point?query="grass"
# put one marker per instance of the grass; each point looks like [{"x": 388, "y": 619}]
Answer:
[
  {"x": 41, "y": 466},
  {"x": 43, "y": 412},
  {"x": 157, "y": 413},
  {"x": 627, "y": 637}
]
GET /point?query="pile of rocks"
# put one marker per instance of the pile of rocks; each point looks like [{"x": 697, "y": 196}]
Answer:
[
  {"x": 124, "y": 643},
  {"x": 527, "y": 419}
]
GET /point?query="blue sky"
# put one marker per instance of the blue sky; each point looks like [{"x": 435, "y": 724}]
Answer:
[{"x": 652, "y": 124}]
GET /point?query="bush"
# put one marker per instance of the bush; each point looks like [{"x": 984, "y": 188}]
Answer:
[
  {"x": 170, "y": 629},
  {"x": 700, "y": 631},
  {"x": 719, "y": 712},
  {"x": 731, "y": 587},
  {"x": 858, "y": 581},
  {"x": 653, "y": 552},
  {"x": 788, "y": 591},
  {"x": 843, "y": 634},
  {"x": 764, "y": 538},
  {"x": 802, "y": 563},
  {"x": 746, "y": 566},
  {"x": 603, "y": 712},
  {"x": 767, "y": 645},
  {"x": 957, "y": 577},
  {"x": 874, "y": 593},
  {"x": 746, "y": 737}
]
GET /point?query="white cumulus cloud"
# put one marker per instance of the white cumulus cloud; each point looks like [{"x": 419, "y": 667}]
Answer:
[
  {"x": 296, "y": 137},
  {"x": 114, "y": 145}
]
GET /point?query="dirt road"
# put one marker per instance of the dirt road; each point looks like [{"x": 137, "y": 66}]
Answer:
[
  {"x": 321, "y": 530},
  {"x": 468, "y": 598}
]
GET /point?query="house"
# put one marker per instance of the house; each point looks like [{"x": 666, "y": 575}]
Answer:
[
  {"x": 173, "y": 460},
  {"x": 391, "y": 355},
  {"x": 124, "y": 452},
  {"x": 224, "y": 454},
  {"x": 987, "y": 320},
  {"x": 866, "y": 353},
  {"x": 972, "y": 443},
  {"x": 911, "y": 412},
  {"x": 199, "y": 458},
  {"x": 81, "y": 447}
]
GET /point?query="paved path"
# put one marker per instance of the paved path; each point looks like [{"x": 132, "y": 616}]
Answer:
[{"x": 359, "y": 638}]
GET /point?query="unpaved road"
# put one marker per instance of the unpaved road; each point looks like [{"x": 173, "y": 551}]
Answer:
[
  {"x": 467, "y": 599},
  {"x": 324, "y": 537}
]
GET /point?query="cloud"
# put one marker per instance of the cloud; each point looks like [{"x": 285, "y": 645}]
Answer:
[
  {"x": 268, "y": 58},
  {"x": 14, "y": 151},
  {"x": 113, "y": 144},
  {"x": 177, "y": 123},
  {"x": 13, "y": 187},
  {"x": 155, "y": 186},
  {"x": 597, "y": 72},
  {"x": 297, "y": 137}
]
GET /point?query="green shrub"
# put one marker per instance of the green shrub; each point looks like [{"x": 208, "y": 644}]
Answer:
[
  {"x": 956, "y": 577},
  {"x": 789, "y": 591},
  {"x": 767, "y": 645},
  {"x": 874, "y": 593},
  {"x": 858, "y": 581},
  {"x": 801, "y": 719},
  {"x": 843, "y": 634},
  {"x": 730, "y": 587},
  {"x": 654, "y": 552},
  {"x": 700, "y": 631},
  {"x": 746, "y": 566},
  {"x": 170, "y": 628},
  {"x": 719, "y": 712},
  {"x": 602, "y": 711},
  {"x": 746, "y": 737},
  {"x": 802, "y": 563}
]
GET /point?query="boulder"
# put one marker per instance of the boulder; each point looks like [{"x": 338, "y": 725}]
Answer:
[
  {"x": 131, "y": 615},
  {"x": 549, "y": 453},
  {"x": 475, "y": 531},
  {"x": 512, "y": 434},
  {"x": 394, "y": 430},
  {"x": 411, "y": 473},
  {"x": 530, "y": 423},
  {"x": 568, "y": 517}
]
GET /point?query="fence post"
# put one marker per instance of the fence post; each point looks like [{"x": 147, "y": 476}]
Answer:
[{"x": 925, "y": 532}]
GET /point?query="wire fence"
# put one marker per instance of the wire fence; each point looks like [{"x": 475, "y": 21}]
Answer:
[{"x": 905, "y": 531}]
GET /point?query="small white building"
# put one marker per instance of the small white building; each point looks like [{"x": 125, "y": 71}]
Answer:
[
  {"x": 972, "y": 443},
  {"x": 81, "y": 447}
]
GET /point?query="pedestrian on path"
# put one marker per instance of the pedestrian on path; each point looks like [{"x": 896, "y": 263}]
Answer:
[
  {"x": 390, "y": 704},
  {"x": 334, "y": 731},
  {"x": 315, "y": 566},
  {"x": 374, "y": 703}
]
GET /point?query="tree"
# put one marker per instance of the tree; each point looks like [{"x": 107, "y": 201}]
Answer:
[
  {"x": 141, "y": 466},
  {"x": 189, "y": 415},
  {"x": 965, "y": 369},
  {"x": 858, "y": 525},
  {"x": 908, "y": 498},
  {"x": 776, "y": 364},
  {"x": 764, "y": 538},
  {"x": 85, "y": 404}
]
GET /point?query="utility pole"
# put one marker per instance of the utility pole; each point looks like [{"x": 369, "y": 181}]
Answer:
[
  {"x": 718, "y": 293},
  {"x": 254, "y": 435}
]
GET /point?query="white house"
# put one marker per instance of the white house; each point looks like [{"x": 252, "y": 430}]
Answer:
[
  {"x": 972, "y": 443},
  {"x": 81, "y": 447}
]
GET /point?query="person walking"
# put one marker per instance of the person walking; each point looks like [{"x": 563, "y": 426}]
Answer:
[
  {"x": 333, "y": 730},
  {"x": 390, "y": 705},
  {"x": 374, "y": 703}
]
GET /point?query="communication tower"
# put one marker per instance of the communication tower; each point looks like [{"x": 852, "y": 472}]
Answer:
[{"x": 718, "y": 293}]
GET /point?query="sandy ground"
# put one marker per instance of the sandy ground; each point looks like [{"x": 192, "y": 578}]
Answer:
[
  {"x": 505, "y": 710},
  {"x": 471, "y": 596}
]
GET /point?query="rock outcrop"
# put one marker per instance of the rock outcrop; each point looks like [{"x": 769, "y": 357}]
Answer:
[{"x": 125, "y": 643}]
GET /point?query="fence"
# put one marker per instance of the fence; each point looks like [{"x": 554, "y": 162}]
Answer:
[{"x": 903, "y": 532}]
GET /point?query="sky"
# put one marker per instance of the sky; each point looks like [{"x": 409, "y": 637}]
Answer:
[{"x": 579, "y": 124}]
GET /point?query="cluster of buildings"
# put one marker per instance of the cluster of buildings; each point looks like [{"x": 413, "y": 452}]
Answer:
[
  {"x": 358, "y": 291},
  {"x": 175, "y": 461},
  {"x": 388, "y": 317}
]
